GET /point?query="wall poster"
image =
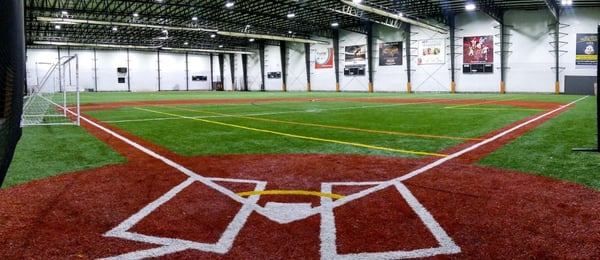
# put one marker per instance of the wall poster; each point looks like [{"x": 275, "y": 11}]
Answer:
[
  {"x": 355, "y": 60},
  {"x": 431, "y": 51},
  {"x": 390, "y": 54},
  {"x": 586, "y": 52},
  {"x": 478, "y": 54},
  {"x": 324, "y": 58}
]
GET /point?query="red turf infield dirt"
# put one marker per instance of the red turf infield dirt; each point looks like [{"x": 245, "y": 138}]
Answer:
[{"x": 488, "y": 213}]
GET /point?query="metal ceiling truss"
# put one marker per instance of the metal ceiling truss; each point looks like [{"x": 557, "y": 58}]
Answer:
[{"x": 209, "y": 24}]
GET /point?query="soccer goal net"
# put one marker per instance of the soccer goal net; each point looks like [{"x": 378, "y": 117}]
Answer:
[{"x": 55, "y": 99}]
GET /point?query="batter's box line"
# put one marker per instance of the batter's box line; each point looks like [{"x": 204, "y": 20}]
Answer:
[
  {"x": 328, "y": 230},
  {"x": 173, "y": 245}
]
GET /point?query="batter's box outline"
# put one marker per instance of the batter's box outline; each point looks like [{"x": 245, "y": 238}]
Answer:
[
  {"x": 327, "y": 230},
  {"x": 173, "y": 245}
]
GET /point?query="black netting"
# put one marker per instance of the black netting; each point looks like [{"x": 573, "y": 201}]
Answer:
[{"x": 12, "y": 80}]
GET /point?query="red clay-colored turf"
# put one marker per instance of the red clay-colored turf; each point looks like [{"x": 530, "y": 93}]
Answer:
[{"x": 489, "y": 213}]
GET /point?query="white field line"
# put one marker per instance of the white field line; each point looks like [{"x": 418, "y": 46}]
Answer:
[
  {"x": 250, "y": 203},
  {"x": 346, "y": 199},
  {"x": 447, "y": 158}
]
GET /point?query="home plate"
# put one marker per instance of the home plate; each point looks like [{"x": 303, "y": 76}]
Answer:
[{"x": 286, "y": 212}]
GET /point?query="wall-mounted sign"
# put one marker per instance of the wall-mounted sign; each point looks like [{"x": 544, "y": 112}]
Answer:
[
  {"x": 586, "y": 52},
  {"x": 355, "y": 60},
  {"x": 324, "y": 58},
  {"x": 274, "y": 75},
  {"x": 199, "y": 78},
  {"x": 478, "y": 54},
  {"x": 431, "y": 51},
  {"x": 390, "y": 54}
]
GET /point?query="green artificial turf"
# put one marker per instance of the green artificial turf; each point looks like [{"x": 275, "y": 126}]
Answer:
[
  {"x": 547, "y": 150},
  {"x": 312, "y": 127},
  {"x": 261, "y": 127},
  {"x": 45, "y": 151}
]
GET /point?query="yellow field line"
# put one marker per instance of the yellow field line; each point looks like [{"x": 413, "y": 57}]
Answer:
[
  {"x": 297, "y": 136},
  {"x": 334, "y": 127},
  {"x": 290, "y": 192}
]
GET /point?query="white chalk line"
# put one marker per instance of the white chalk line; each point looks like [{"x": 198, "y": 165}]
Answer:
[
  {"x": 328, "y": 229},
  {"x": 448, "y": 158}
]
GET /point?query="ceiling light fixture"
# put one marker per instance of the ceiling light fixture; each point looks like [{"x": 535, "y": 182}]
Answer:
[
  {"x": 229, "y": 4},
  {"x": 114, "y": 29},
  {"x": 194, "y": 18},
  {"x": 470, "y": 6},
  {"x": 135, "y": 14},
  {"x": 566, "y": 2},
  {"x": 57, "y": 26},
  {"x": 251, "y": 40},
  {"x": 291, "y": 15},
  {"x": 335, "y": 24}
]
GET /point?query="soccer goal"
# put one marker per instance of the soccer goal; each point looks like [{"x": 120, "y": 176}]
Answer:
[{"x": 55, "y": 99}]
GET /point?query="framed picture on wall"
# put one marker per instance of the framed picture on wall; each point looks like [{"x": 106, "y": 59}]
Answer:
[
  {"x": 390, "y": 54},
  {"x": 478, "y": 54}
]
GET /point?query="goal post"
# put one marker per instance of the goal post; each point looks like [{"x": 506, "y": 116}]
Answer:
[{"x": 55, "y": 100}]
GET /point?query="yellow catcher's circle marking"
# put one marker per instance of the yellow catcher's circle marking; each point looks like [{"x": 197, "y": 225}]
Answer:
[{"x": 290, "y": 192}]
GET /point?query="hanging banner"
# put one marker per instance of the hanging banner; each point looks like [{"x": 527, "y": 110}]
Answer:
[
  {"x": 431, "y": 51},
  {"x": 478, "y": 54},
  {"x": 324, "y": 58},
  {"x": 586, "y": 52},
  {"x": 390, "y": 54}
]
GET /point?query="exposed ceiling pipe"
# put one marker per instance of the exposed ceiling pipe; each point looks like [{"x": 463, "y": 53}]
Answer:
[
  {"x": 96, "y": 45},
  {"x": 396, "y": 16},
  {"x": 270, "y": 37},
  {"x": 232, "y": 34}
]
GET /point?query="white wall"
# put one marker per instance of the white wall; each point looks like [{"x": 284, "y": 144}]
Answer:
[
  {"x": 322, "y": 79},
  {"x": 577, "y": 21},
  {"x": 172, "y": 71},
  {"x": 272, "y": 64},
  {"x": 388, "y": 78},
  {"x": 475, "y": 24},
  {"x": 530, "y": 60},
  {"x": 254, "y": 73},
  {"x": 429, "y": 77},
  {"x": 107, "y": 63},
  {"x": 38, "y": 63},
  {"x": 199, "y": 65},
  {"x": 352, "y": 83},
  {"x": 239, "y": 72},
  {"x": 227, "y": 72},
  {"x": 296, "y": 67},
  {"x": 143, "y": 71}
]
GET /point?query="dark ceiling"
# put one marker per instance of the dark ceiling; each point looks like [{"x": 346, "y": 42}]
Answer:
[{"x": 210, "y": 24}]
